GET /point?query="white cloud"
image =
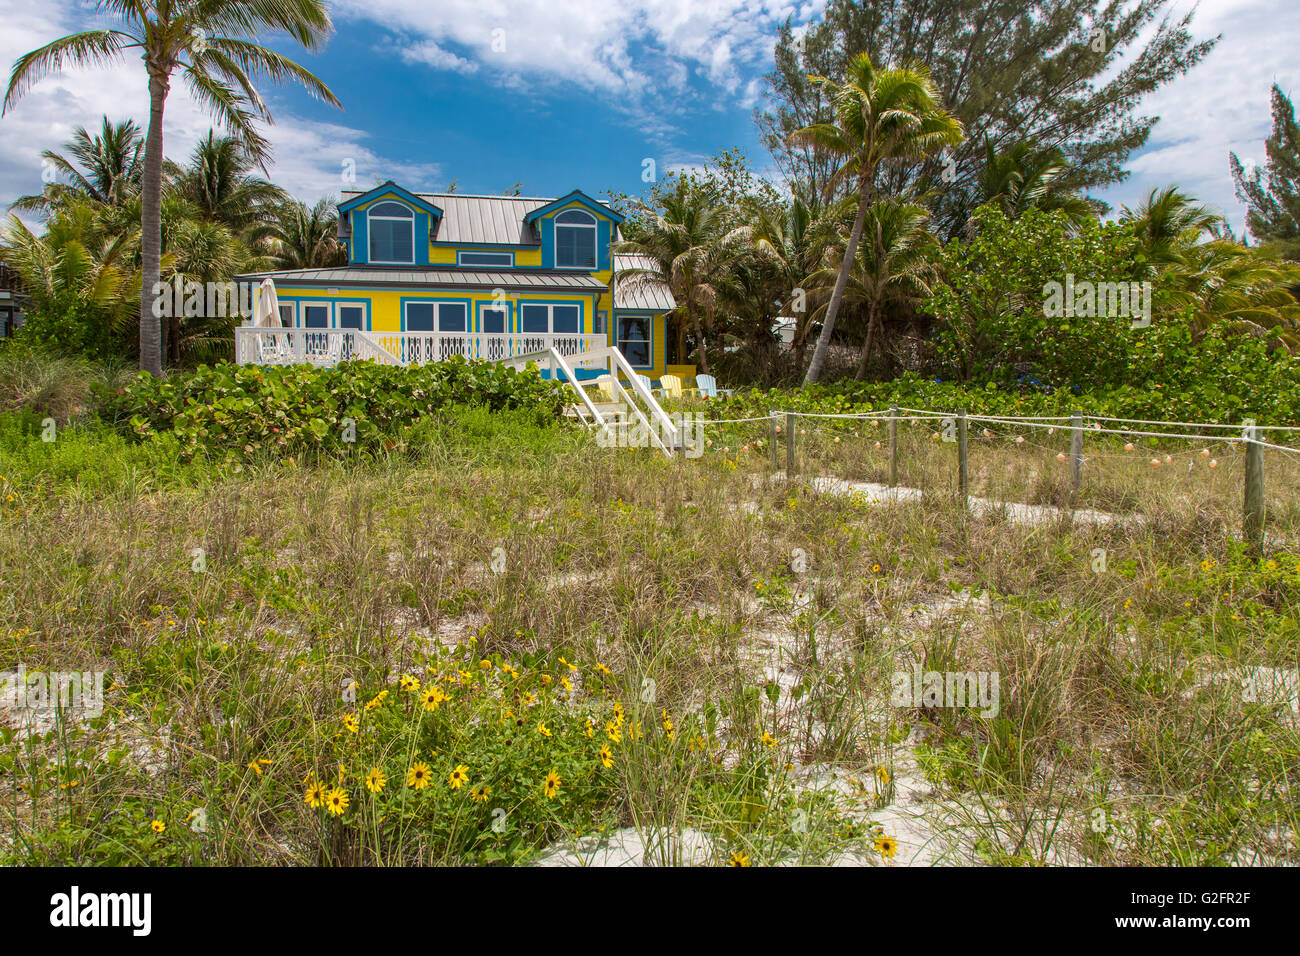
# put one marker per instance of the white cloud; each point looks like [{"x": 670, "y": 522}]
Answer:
[
  {"x": 637, "y": 54},
  {"x": 308, "y": 156},
  {"x": 1221, "y": 106}
]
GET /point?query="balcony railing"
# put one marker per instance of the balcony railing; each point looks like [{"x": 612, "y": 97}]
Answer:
[{"x": 270, "y": 346}]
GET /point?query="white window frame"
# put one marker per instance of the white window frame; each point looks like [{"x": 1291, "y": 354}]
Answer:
[
  {"x": 305, "y": 304},
  {"x": 595, "y": 238},
  {"x": 508, "y": 264},
  {"x": 438, "y": 305},
  {"x": 550, "y": 308},
  {"x": 370, "y": 236},
  {"x": 365, "y": 314},
  {"x": 649, "y": 340}
]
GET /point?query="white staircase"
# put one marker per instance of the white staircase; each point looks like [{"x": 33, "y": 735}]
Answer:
[{"x": 627, "y": 414}]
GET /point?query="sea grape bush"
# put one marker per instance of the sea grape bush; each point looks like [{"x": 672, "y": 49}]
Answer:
[{"x": 286, "y": 410}]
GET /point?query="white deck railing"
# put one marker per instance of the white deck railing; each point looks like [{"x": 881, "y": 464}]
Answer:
[{"x": 271, "y": 346}]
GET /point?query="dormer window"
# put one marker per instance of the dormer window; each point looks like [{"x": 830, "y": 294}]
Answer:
[
  {"x": 392, "y": 233},
  {"x": 575, "y": 240}
]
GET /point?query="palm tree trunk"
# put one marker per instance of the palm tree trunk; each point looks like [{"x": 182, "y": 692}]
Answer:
[
  {"x": 700, "y": 348},
  {"x": 837, "y": 295},
  {"x": 866, "y": 346},
  {"x": 151, "y": 229}
]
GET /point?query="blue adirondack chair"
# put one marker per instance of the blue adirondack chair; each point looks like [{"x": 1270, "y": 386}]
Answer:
[{"x": 707, "y": 386}]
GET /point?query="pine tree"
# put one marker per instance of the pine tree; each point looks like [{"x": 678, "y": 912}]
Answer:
[{"x": 1272, "y": 198}]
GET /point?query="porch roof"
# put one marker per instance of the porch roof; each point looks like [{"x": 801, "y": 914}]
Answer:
[
  {"x": 640, "y": 291},
  {"x": 531, "y": 280}
]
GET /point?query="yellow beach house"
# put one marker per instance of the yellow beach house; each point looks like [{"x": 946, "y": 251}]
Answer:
[{"x": 432, "y": 275}]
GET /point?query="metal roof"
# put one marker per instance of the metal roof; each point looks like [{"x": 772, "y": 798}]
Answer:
[
  {"x": 443, "y": 277},
  {"x": 487, "y": 220},
  {"x": 640, "y": 290}
]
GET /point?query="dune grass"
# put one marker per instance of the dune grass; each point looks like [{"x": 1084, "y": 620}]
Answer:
[{"x": 731, "y": 637}]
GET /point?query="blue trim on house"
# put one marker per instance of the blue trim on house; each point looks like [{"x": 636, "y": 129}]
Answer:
[
  {"x": 580, "y": 303},
  {"x": 637, "y": 313},
  {"x": 437, "y": 300},
  {"x": 480, "y": 305},
  {"x": 576, "y": 196},
  {"x": 390, "y": 187}
]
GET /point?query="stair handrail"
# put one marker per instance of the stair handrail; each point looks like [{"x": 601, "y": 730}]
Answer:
[
  {"x": 375, "y": 350},
  {"x": 615, "y": 357},
  {"x": 558, "y": 361}
]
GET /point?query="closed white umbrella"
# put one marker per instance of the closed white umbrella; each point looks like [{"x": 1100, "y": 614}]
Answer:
[{"x": 268, "y": 306}]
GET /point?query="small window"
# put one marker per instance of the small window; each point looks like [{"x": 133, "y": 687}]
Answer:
[
  {"x": 561, "y": 319},
  {"x": 286, "y": 315},
  {"x": 493, "y": 320},
  {"x": 419, "y": 317},
  {"x": 352, "y": 317},
  {"x": 316, "y": 316},
  {"x": 506, "y": 259},
  {"x": 451, "y": 317},
  {"x": 634, "y": 339},
  {"x": 575, "y": 240},
  {"x": 535, "y": 318},
  {"x": 392, "y": 233},
  {"x": 565, "y": 318}
]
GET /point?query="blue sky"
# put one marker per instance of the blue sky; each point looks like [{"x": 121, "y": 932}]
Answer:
[{"x": 569, "y": 93}]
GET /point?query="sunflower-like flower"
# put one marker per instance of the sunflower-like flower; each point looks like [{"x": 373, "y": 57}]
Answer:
[
  {"x": 315, "y": 795},
  {"x": 886, "y": 846},
  {"x": 419, "y": 776},
  {"x": 376, "y": 781},
  {"x": 459, "y": 777},
  {"x": 606, "y": 756},
  {"x": 551, "y": 785},
  {"x": 336, "y": 801}
]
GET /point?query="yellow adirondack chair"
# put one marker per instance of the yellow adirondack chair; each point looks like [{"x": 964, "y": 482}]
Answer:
[{"x": 670, "y": 386}]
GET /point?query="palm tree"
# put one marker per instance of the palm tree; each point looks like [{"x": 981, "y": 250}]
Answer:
[
  {"x": 203, "y": 39},
  {"x": 1213, "y": 280},
  {"x": 305, "y": 238},
  {"x": 1167, "y": 223},
  {"x": 1023, "y": 176},
  {"x": 882, "y": 115},
  {"x": 104, "y": 168},
  {"x": 685, "y": 247},
  {"x": 79, "y": 275},
  {"x": 895, "y": 262},
  {"x": 219, "y": 183},
  {"x": 1245, "y": 290}
]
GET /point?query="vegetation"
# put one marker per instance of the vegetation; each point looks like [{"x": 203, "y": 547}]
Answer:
[
  {"x": 206, "y": 43},
  {"x": 396, "y": 660}
]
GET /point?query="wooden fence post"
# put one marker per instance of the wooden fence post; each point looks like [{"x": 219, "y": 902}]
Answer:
[
  {"x": 1253, "y": 510},
  {"x": 789, "y": 445},
  {"x": 963, "y": 475},
  {"x": 893, "y": 445},
  {"x": 1076, "y": 454},
  {"x": 772, "y": 440}
]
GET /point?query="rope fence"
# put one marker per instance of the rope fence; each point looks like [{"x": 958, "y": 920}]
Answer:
[{"x": 956, "y": 427}]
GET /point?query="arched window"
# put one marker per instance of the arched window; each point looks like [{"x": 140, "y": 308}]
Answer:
[
  {"x": 575, "y": 240},
  {"x": 392, "y": 233}
]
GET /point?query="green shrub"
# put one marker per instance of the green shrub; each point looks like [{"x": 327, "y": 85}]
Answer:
[
  {"x": 249, "y": 410},
  {"x": 48, "y": 384}
]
